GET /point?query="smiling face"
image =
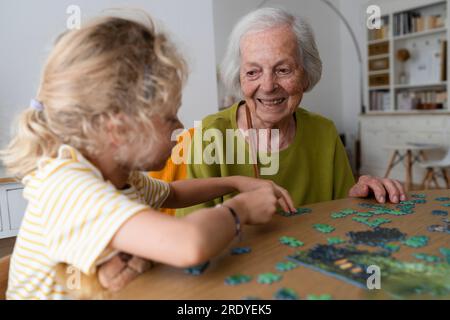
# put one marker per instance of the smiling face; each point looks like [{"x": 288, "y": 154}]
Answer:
[{"x": 271, "y": 76}]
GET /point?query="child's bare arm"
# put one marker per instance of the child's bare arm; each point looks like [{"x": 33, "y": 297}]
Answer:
[
  {"x": 196, "y": 238},
  {"x": 186, "y": 193}
]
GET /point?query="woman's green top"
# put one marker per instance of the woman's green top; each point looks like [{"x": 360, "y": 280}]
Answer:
[{"x": 313, "y": 168}]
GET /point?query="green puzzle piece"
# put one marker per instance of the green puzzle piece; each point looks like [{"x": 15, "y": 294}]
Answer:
[
  {"x": 237, "y": 279},
  {"x": 371, "y": 223},
  {"x": 298, "y": 212},
  {"x": 285, "y": 294},
  {"x": 365, "y": 214},
  {"x": 343, "y": 213},
  {"x": 291, "y": 242},
  {"x": 426, "y": 257},
  {"x": 319, "y": 297},
  {"x": 391, "y": 247},
  {"x": 416, "y": 241},
  {"x": 324, "y": 228},
  {"x": 269, "y": 278},
  {"x": 446, "y": 253},
  {"x": 335, "y": 240},
  {"x": 285, "y": 266}
]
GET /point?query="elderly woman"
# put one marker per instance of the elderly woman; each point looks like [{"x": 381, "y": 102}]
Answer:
[{"x": 271, "y": 60}]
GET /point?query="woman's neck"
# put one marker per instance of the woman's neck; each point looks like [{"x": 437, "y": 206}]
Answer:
[{"x": 286, "y": 128}]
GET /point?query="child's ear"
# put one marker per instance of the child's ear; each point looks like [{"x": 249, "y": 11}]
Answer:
[{"x": 116, "y": 130}]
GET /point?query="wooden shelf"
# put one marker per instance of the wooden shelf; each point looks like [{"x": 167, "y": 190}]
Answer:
[
  {"x": 371, "y": 73},
  {"x": 379, "y": 88},
  {"x": 379, "y": 56},
  {"x": 420, "y": 34},
  {"x": 420, "y": 86},
  {"x": 377, "y": 41},
  {"x": 406, "y": 112}
]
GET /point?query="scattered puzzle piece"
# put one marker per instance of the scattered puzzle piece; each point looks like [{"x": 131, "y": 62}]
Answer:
[
  {"x": 197, "y": 270},
  {"x": 252, "y": 298},
  {"x": 324, "y": 228},
  {"x": 416, "y": 241},
  {"x": 442, "y": 199},
  {"x": 337, "y": 215},
  {"x": 269, "y": 278},
  {"x": 420, "y": 196},
  {"x": 420, "y": 201},
  {"x": 298, "y": 212},
  {"x": 291, "y": 242},
  {"x": 365, "y": 214},
  {"x": 285, "y": 294},
  {"x": 285, "y": 266},
  {"x": 439, "y": 212},
  {"x": 371, "y": 223},
  {"x": 447, "y": 205},
  {"x": 237, "y": 279},
  {"x": 446, "y": 253},
  {"x": 335, "y": 240},
  {"x": 426, "y": 257},
  {"x": 319, "y": 297},
  {"x": 391, "y": 247},
  {"x": 240, "y": 250}
]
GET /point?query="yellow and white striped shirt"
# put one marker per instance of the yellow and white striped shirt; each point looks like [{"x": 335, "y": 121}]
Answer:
[{"x": 71, "y": 217}]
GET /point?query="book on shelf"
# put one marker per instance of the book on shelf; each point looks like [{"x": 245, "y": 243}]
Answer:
[
  {"x": 380, "y": 100},
  {"x": 411, "y": 22},
  {"x": 421, "y": 100}
]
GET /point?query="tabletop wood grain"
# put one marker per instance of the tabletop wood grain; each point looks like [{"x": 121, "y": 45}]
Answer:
[{"x": 166, "y": 282}]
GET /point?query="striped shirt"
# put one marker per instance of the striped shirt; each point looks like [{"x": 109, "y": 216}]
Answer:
[{"x": 71, "y": 217}]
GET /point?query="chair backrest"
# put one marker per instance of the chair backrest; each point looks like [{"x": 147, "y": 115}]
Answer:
[{"x": 4, "y": 269}]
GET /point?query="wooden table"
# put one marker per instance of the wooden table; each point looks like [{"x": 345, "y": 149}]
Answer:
[
  {"x": 165, "y": 282},
  {"x": 405, "y": 152}
]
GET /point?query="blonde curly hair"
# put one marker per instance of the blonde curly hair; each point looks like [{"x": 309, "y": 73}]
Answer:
[{"x": 110, "y": 66}]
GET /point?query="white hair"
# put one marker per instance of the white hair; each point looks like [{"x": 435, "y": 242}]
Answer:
[{"x": 263, "y": 19}]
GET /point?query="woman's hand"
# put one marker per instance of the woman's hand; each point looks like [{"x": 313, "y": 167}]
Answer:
[
  {"x": 381, "y": 188},
  {"x": 246, "y": 184}
]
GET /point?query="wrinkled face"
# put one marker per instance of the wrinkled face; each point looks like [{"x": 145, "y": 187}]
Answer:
[{"x": 272, "y": 79}]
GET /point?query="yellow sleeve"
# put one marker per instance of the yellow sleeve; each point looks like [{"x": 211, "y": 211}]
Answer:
[{"x": 82, "y": 214}]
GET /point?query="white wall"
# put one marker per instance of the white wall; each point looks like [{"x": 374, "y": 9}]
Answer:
[{"x": 28, "y": 28}]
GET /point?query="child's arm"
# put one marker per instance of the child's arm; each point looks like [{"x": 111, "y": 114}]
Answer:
[
  {"x": 186, "y": 193},
  {"x": 196, "y": 238}
]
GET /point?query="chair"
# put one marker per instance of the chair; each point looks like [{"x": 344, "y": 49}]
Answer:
[
  {"x": 435, "y": 169},
  {"x": 172, "y": 172},
  {"x": 4, "y": 269}
]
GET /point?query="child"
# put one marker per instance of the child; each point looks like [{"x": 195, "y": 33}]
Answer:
[{"x": 105, "y": 111}]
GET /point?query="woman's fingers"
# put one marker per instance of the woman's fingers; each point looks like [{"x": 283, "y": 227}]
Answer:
[
  {"x": 401, "y": 190},
  {"x": 383, "y": 189},
  {"x": 392, "y": 190}
]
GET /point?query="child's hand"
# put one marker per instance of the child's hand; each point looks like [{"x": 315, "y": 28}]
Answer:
[
  {"x": 256, "y": 207},
  {"x": 245, "y": 184},
  {"x": 121, "y": 270}
]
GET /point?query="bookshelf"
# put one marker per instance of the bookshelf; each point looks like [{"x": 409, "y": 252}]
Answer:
[{"x": 407, "y": 60}]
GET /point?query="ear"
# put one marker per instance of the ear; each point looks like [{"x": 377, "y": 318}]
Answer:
[
  {"x": 306, "y": 81},
  {"x": 116, "y": 129}
]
